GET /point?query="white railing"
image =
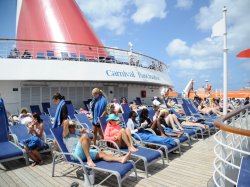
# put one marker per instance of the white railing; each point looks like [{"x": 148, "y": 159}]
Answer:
[
  {"x": 36, "y": 49},
  {"x": 233, "y": 142}
]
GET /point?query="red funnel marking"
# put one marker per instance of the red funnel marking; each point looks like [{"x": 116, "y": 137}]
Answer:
[
  {"x": 244, "y": 54},
  {"x": 55, "y": 20}
]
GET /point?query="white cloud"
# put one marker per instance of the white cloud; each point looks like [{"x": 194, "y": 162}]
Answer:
[
  {"x": 177, "y": 47},
  {"x": 207, "y": 53},
  {"x": 238, "y": 17},
  {"x": 107, "y": 14},
  {"x": 148, "y": 9},
  {"x": 184, "y": 4}
]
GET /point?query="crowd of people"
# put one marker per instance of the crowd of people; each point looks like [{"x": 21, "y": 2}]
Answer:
[{"x": 165, "y": 124}]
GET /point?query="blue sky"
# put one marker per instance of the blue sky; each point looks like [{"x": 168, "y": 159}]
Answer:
[{"x": 174, "y": 31}]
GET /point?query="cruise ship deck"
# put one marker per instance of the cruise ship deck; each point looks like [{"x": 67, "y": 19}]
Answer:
[{"x": 193, "y": 168}]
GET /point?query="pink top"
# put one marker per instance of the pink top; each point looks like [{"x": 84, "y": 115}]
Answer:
[{"x": 111, "y": 131}]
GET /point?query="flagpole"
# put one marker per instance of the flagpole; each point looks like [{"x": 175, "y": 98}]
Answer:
[{"x": 225, "y": 64}]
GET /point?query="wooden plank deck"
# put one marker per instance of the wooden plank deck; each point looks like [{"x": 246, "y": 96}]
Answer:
[{"x": 193, "y": 168}]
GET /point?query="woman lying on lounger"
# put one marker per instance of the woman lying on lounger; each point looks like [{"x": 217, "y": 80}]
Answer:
[
  {"x": 80, "y": 146},
  {"x": 207, "y": 110},
  {"x": 122, "y": 137},
  {"x": 146, "y": 136},
  {"x": 172, "y": 120}
]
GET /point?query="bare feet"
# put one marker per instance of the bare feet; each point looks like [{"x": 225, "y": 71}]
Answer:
[
  {"x": 91, "y": 163},
  {"x": 125, "y": 158},
  {"x": 132, "y": 149}
]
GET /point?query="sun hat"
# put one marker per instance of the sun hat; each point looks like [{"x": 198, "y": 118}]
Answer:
[{"x": 113, "y": 117}]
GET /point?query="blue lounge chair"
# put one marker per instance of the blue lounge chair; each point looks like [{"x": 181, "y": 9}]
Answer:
[
  {"x": 47, "y": 125},
  {"x": 68, "y": 102},
  {"x": 82, "y": 57},
  {"x": 40, "y": 55},
  {"x": 244, "y": 173},
  {"x": 148, "y": 156},
  {"x": 51, "y": 55},
  {"x": 45, "y": 107},
  {"x": 52, "y": 111},
  {"x": 139, "y": 100},
  {"x": 120, "y": 171},
  {"x": 71, "y": 111},
  {"x": 84, "y": 121},
  {"x": 20, "y": 133},
  {"x": 125, "y": 108},
  {"x": 65, "y": 56},
  {"x": 8, "y": 150},
  {"x": 167, "y": 148},
  {"x": 35, "y": 109},
  {"x": 73, "y": 56}
]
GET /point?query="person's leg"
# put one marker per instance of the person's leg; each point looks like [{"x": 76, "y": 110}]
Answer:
[
  {"x": 37, "y": 154},
  {"x": 94, "y": 134},
  {"x": 84, "y": 141},
  {"x": 169, "y": 120},
  {"x": 128, "y": 132},
  {"x": 188, "y": 123},
  {"x": 156, "y": 126},
  {"x": 111, "y": 158},
  {"x": 122, "y": 137},
  {"x": 31, "y": 155},
  {"x": 100, "y": 133},
  {"x": 176, "y": 121}
]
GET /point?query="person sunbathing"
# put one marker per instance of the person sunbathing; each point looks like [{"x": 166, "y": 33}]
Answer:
[
  {"x": 122, "y": 137},
  {"x": 146, "y": 121},
  {"x": 207, "y": 110},
  {"x": 139, "y": 129},
  {"x": 166, "y": 119},
  {"x": 80, "y": 146}
]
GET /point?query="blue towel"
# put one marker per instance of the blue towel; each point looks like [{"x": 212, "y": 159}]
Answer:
[
  {"x": 100, "y": 107},
  {"x": 57, "y": 122},
  {"x": 35, "y": 143}
]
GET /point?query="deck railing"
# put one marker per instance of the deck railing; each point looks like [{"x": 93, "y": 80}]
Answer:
[
  {"x": 51, "y": 50},
  {"x": 233, "y": 142}
]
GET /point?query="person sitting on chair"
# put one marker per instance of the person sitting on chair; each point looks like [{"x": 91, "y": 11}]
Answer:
[
  {"x": 80, "y": 146},
  {"x": 122, "y": 137}
]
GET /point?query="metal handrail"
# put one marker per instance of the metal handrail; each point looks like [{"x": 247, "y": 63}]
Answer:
[
  {"x": 219, "y": 122},
  {"x": 99, "y": 49},
  {"x": 233, "y": 143}
]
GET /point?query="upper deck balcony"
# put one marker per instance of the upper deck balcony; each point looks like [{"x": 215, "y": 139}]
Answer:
[{"x": 47, "y": 60}]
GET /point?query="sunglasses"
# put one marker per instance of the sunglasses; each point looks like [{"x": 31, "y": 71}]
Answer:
[{"x": 72, "y": 126}]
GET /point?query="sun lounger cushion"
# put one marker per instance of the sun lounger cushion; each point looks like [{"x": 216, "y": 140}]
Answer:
[{"x": 9, "y": 150}]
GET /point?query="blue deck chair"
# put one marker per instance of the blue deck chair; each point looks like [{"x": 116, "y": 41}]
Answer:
[
  {"x": 65, "y": 56},
  {"x": 51, "y": 55},
  {"x": 40, "y": 55},
  {"x": 120, "y": 171},
  {"x": 47, "y": 125},
  {"x": 35, "y": 109},
  {"x": 125, "y": 108},
  {"x": 52, "y": 111},
  {"x": 244, "y": 173},
  {"x": 151, "y": 114},
  {"x": 20, "y": 133},
  {"x": 167, "y": 148},
  {"x": 84, "y": 121},
  {"x": 86, "y": 105},
  {"x": 110, "y": 59},
  {"x": 188, "y": 114},
  {"x": 82, "y": 57},
  {"x": 71, "y": 111},
  {"x": 8, "y": 150},
  {"x": 73, "y": 56},
  {"x": 148, "y": 156},
  {"x": 139, "y": 100},
  {"x": 68, "y": 102},
  {"x": 45, "y": 107}
]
